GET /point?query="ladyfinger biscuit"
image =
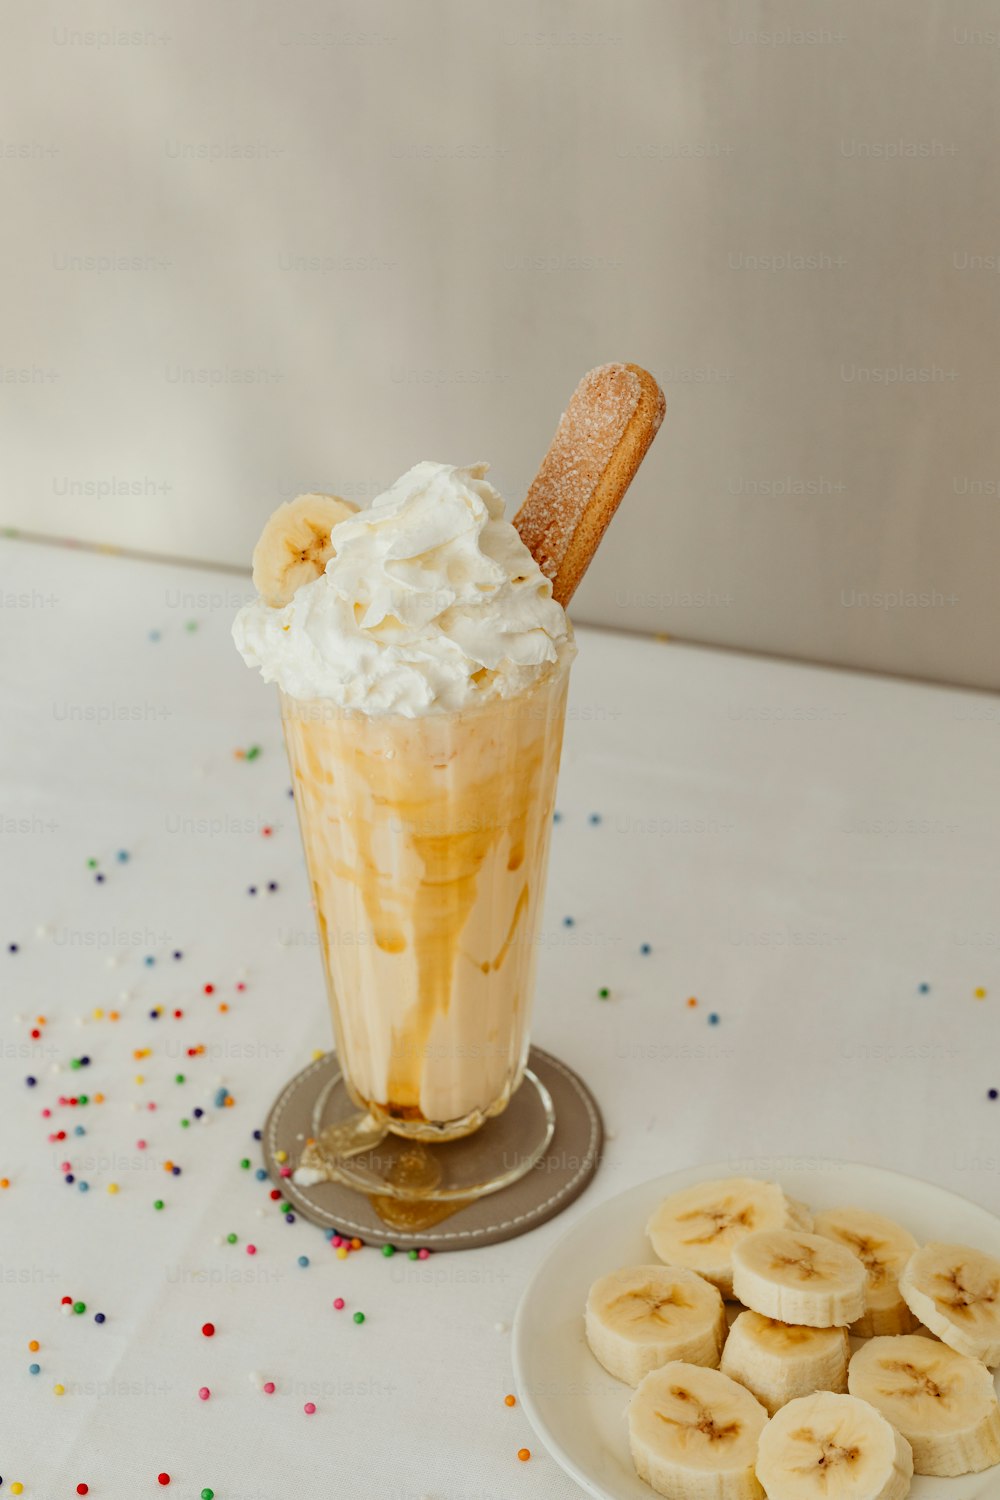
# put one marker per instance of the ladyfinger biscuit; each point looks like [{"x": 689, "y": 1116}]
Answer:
[{"x": 612, "y": 417}]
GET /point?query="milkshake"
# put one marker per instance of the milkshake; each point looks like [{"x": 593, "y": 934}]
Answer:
[{"x": 423, "y": 676}]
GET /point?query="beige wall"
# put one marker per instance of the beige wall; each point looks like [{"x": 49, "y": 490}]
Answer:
[{"x": 450, "y": 210}]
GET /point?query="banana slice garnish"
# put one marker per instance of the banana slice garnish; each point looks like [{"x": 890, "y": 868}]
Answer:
[{"x": 295, "y": 547}]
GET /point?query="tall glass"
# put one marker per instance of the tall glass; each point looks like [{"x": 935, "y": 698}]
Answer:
[{"x": 427, "y": 842}]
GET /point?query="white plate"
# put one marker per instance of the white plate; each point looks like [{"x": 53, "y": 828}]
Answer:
[{"x": 578, "y": 1409}]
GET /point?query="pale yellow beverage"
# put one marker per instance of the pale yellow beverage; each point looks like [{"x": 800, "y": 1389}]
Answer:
[{"x": 426, "y": 841}]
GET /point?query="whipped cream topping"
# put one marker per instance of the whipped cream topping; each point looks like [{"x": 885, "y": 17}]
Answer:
[{"x": 431, "y": 602}]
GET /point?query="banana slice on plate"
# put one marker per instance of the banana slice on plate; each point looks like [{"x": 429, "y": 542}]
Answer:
[
  {"x": 642, "y": 1316},
  {"x": 825, "y": 1446},
  {"x": 943, "y": 1403},
  {"x": 777, "y": 1362},
  {"x": 699, "y": 1226},
  {"x": 955, "y": 1292},
  {"x": 799, "y": 1278},
  {"x": 693, "y": 1434},
  {"x": 883, "y": 1247},
  {"x": 294, "y": 547}
]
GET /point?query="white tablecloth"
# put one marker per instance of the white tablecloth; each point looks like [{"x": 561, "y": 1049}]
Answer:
[{"x": 802, "y": 849}]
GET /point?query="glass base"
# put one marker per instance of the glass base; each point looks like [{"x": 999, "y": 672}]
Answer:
[
  {"x": 356, "y": 1149},
  {"x": 414, "y": 1127}
]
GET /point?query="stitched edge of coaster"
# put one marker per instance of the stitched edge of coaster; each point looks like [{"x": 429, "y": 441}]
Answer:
[{"x": 452, "y": 1237}]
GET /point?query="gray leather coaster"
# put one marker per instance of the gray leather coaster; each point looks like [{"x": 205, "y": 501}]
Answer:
[{"x": 549, "y": 1187}]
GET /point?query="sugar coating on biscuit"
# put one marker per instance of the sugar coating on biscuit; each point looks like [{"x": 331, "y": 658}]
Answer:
[{"x": 586, "y": 444}]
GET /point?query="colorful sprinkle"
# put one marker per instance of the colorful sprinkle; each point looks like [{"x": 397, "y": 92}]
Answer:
[
  {"x": 359, "y": 1317},
  {"x": 268, "y": 1387},
  {"x": 524, "y": 1454},
  {"x": 510, "y": 1401},
  {"x": 208, "y": 1329},
  {"x": 204, "y": 1393},
  {"x": 309, "y": 1408},
  {"x": 980, "y": 993},
  {"x": 338, "y": 1303}
]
